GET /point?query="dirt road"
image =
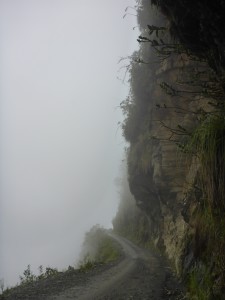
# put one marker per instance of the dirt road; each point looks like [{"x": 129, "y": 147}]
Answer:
[{"x": 140, "y": 275}]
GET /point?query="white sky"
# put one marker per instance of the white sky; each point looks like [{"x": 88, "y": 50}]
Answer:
[{"x": 59, "y": 150}]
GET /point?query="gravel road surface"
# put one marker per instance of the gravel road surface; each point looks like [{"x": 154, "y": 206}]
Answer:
[{"x": 139, "y": 275}]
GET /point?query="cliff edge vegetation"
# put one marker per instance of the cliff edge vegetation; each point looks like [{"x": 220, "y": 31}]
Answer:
[{"x": 99, "y": 253}]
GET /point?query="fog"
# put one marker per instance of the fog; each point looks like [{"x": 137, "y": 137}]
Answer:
[{"x": 60, "y": 144}]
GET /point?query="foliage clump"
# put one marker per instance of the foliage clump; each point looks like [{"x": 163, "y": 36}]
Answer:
[
  {"x": 98, "y": 248},
  {"x": 29, "y": 280}
]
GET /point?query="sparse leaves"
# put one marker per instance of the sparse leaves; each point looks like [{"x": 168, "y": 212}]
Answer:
[{"x": 156, "y": 29}]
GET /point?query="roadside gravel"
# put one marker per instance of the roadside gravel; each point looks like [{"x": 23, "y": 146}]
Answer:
[{"x": 139, "y": 274}]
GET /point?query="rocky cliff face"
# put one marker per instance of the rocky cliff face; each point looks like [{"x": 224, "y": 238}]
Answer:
[
  {"x": 170, "y": 167},
  {"x": 176, "y": 145},
  {"x": 158, "y": 172}
]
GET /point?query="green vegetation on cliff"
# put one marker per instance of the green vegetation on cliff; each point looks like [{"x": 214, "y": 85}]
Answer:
[
  {"x": 174, "y": 123},
  {"x": 98, "y": 248}
]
